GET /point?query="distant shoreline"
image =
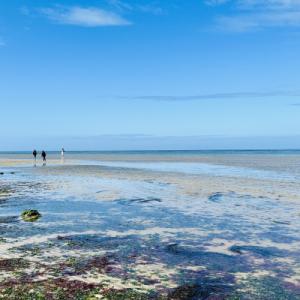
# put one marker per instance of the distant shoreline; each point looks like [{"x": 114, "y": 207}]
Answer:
[{"x": 158, "y": 151}]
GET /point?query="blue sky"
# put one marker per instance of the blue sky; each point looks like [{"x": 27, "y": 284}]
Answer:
[{"x": 149, "y": 74}]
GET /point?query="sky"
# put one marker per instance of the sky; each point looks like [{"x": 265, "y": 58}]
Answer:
[{"x": 121, "y": 75}]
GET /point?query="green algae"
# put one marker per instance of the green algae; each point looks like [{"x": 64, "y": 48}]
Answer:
[
  {"x": 4, "y": 192},
  {"x": 63, "y": 289},
  {"x": 57, "y": 289},
  {"x": 30, "y": 215}
]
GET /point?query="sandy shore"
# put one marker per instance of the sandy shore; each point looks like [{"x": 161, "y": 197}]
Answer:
[{"x": 115, "y": 232}]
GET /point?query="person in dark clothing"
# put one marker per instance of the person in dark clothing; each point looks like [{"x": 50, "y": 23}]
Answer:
[
  {"x": 34, "y": 153},
  {"x": 44, "y": 157}
]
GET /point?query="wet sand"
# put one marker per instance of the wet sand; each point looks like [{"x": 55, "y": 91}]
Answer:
[{"x": 181, "y": 226}]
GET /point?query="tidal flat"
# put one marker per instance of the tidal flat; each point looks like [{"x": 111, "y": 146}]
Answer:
[{"x": 151, "y": 225}]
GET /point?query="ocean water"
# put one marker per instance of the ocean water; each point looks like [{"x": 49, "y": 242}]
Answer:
[{"x": 224, "y": 222}]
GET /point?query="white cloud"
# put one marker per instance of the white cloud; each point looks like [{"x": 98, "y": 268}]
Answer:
[
  {"x": 216, "y": 2},
  {"x": 120, "y": 5},
  {"x": 256, "y": 21},
  {"x": 247, "y": 15},
  {"x": 80, "y": 16},
  {"x": 258, "y": 3},
  {"x": 150, "y": 7},
  {"x": 271, "y": 3},
  {"x": 216, "y": 96}
]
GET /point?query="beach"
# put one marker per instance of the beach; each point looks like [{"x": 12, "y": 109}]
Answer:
[{"x": 151, "y": 225}]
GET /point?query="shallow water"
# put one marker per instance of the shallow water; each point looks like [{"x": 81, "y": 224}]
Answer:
[{"x": 223, "y": 225}]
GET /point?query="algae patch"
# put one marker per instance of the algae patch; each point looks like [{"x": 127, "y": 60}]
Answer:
[{"x": 30, "y": 215}]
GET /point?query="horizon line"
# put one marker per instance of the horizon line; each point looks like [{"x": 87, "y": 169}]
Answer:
[{"x": 157, "y": 150}]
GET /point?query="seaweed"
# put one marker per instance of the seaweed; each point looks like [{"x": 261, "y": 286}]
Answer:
[
  {"x": 13, "y": 264},
  {"x": 52, "y": 289},
  {"x": 30, "y": 215}
]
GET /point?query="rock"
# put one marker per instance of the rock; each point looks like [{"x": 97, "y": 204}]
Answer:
[
  {"x": 30, "y": 215},
  {"x": 236, "y": 249},
  {"x": 1, "y": 173},
  {"x": 215, "y": 197},
  {"x": 173, "y": 248}
]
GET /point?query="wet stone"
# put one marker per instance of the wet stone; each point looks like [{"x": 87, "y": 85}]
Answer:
[
  {"x": 173, "y": 248},
  {"x": 215, "y": 197},
  {"x": 200, "y": 291},
  {"x": 140, "y": 200},
  {"x": 30, "y": 215},
  {"x": 255, "y": 250}
]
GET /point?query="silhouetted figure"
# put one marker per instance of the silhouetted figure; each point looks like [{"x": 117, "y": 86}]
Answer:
[
  {"x": 34, "y": 153},
  {"x": 44, "y": 157},
  {"x": 62, "y": 155}
]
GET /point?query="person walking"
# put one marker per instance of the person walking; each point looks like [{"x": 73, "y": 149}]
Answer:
[
  {"x": 34, "y": 153},
  {"x": 44, "y": 157},
  {"x": 62, "y": 155}
]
